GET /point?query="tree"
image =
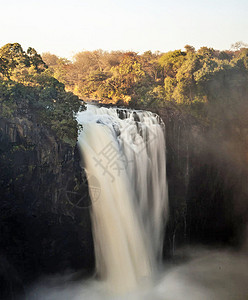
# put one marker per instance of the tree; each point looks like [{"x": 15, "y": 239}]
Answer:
[
  {"x": 50, "y": 60},
  {"x": 238, "y": 45},
  {"x": 171, "y": 62},
  {"x": 35, "y": 60},
  {"x": 151, "y": 67},
  {"x": 206, "y": 52},
  {"x": 3, "y": 66},
  {"x": 189, "y": 49},
  {"x": 12, "y": 55},
  {"x": 128, "y": 72}
]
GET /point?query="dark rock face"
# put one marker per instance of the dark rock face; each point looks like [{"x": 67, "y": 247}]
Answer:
[
  {"x": 45, "y": 207},
  {"x": 207, "y": 173}
]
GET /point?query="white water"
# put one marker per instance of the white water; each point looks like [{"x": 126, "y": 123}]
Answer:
[{"x": 127, "y": 158}]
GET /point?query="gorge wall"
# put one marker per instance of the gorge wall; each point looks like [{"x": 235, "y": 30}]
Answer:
[
  {"x": 207, "y": 175},
  {"x": 45, "y": 222}
]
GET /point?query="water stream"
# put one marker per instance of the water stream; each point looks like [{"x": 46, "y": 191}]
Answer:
[{"x": 125, "y": 152}]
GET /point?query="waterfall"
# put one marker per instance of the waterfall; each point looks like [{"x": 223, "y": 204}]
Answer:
[
  {"x": 123, "y": 153},
  {"x": 124, "y": 157}
]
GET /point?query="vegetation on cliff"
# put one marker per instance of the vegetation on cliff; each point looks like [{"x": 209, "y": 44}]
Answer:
[
  {"x": 28, "y": 89},
  {"x": 183, "y": 77},
  {"x": 210, "y": 84}
]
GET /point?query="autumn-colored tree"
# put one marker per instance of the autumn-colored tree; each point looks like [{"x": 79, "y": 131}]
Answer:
[
  {"x": 238, "y": 45},
  {"x": 50, "y": 60},
  {"x": 180, "y": 76},
  {"x": 151, "y": 66},
  {"x": 189, "y": 49}
]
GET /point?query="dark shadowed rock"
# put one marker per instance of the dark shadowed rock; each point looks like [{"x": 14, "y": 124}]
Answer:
[
  {"x": 45, "y": 207},
  {"x": 206, "y": 172}
]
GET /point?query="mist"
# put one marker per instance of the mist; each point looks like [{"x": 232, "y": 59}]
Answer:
[{"x": 205, "y": 274}]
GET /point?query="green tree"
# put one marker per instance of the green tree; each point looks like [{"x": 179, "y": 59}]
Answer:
[
  {"x": 27, "y": 86},
  {"x": 171, "y": 62},
  {"x": 35, "y": 60},
  {"x": 12, "y": 55}
]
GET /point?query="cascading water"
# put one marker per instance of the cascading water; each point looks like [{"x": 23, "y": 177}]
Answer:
[{"x": 124, "y": 157}]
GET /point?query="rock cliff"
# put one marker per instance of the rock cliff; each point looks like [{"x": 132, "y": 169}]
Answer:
[{"x": 45, "y": 217}]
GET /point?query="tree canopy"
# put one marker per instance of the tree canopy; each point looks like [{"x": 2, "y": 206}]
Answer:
[
  {"x": 28, "y": 86},
  {"x": 182, "y": 77},
  {"x": 205, "y": 80}
]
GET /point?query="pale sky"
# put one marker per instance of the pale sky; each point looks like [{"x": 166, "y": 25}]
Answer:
[{"x": 66, "y": 27}]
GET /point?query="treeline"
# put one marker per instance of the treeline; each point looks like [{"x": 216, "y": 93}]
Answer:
[
  {"x": 211, "y": 84},
  {"x": 28, "y": 89},
  {"x": 151, "y": 79}
]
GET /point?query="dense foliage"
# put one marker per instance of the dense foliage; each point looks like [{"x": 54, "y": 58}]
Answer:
[
  {"x": 210, "y": 84},
  {"x": 204, "y": 81},
  {"x": 28, "y": 89}
]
